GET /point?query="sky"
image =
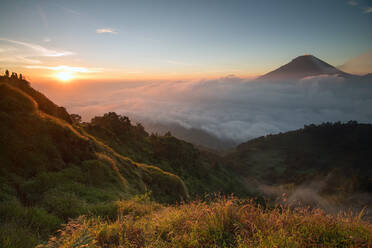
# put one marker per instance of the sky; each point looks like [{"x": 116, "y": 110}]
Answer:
[{"x": 108, "y": 41}]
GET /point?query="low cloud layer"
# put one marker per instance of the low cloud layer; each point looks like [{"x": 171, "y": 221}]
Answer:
[{"x": 230, "y": 107}]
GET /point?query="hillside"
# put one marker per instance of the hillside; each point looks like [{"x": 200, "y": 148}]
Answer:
[
  {"x": 115, "y": 184},
  {"x": 198, "y": 137},
  {"x": 201, "y": 171},
  {"x": 52, "y": 171},
  {"x": 333, "y": 159}
]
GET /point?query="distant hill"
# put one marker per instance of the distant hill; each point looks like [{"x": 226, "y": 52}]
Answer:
[
  {"x": 335, "y": 156},
  {"x": 196, "y": 136},
  {"x": 303, "y": 66}
]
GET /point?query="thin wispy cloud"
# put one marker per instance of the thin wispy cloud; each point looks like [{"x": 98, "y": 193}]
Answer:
[
  {"x": 106, "y": 31},
  {"x": 368, "y": 10},
  {"x": 7, "y": 49},
  {"x": 65, "y": 68},
  {"x": 42, "y": 16},
  {"x": 42, "y": 51},
  {"x": 353, "y": 3},
  {"x": 19, "y": 59}
]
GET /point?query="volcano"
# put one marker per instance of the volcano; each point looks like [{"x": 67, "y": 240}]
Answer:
[{"x": 303, "y": 66}]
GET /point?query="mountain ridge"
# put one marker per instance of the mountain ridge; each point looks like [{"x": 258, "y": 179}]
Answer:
[{"x": 303, "y": 66}]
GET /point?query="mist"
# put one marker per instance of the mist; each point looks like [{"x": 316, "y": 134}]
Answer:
[{"x": 230, "y": 108}]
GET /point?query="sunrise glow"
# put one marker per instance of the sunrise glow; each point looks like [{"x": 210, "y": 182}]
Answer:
[
  {"x": 64, "y": 76},
  {"x": 251, "y": 120}
]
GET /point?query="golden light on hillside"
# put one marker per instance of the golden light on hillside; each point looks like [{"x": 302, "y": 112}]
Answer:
[{"x": 64, "y": 76}]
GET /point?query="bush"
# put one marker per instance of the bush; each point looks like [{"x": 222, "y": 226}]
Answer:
[
  {"x": 64, "y": 204},
  {"x": 98, "y": 173}
]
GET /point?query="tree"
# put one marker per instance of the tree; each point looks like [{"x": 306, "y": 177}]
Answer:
[
  {"x": 76, "y": 119},
  {"x": 7, "y": 73},
  {"x": 14, "y": 75},
  {"x": 20, "y": 77}
]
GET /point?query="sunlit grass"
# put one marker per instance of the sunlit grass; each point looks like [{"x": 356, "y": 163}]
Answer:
[{"x": 223, "y": 222}]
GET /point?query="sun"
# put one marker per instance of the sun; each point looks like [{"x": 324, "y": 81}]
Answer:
[{"x": 64, "y": 76}]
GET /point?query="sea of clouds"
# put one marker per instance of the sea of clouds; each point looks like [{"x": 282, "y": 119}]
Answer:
[{"x": 230, "y": 107}]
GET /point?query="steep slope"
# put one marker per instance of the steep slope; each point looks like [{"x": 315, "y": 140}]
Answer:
[
  {"x": 201, "y": 171},
  {"x": 336, "y": 157},
  {"x": 44, "y": 104},
  {"x": 52, "y": 171},
  {"x": 303, "y": 66}
]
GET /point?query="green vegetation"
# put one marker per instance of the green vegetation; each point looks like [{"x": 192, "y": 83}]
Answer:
[
  {"x": 335, "y": 155},
  {"x": 51, "y": 171},
  {"x": 116, "y": 185},
  {"x": 221, "y": 222},
  {"x": 202, "y": 172}
]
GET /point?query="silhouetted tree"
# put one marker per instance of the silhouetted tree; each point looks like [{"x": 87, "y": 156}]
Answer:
[
  {"x": 76, "y": 119},
  {"x": 14, "y": 75},
  {"x": 7, "y": 73},
  {"x": 20, "y": 77}
]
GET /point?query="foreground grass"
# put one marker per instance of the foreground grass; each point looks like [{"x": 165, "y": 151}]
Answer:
[{"x": 222, "y": 222}]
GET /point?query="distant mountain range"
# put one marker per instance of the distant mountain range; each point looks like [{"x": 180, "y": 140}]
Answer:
[{"x": 304, "y": 66}]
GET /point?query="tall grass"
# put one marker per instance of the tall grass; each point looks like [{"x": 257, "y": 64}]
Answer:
[{"x": 223, "y": 222}]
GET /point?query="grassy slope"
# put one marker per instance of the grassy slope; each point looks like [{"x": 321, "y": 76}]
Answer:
[
  {"x": 222, "y": 222},
  {"x": 201, "y": 171},
  {"x": 50, "y": 171}
]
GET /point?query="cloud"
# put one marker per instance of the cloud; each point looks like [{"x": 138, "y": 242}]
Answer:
[
  {"x": 19, "y": 59},
  {"x": 368, "y": 10},
  {"x": 7, "y": 49},
  {"x": 106, "y": 31},
  {"x": 42, "y": 16},
  {"x": 353, "y": 3},
  {"x": 230, "y": 108},
  {"x": 65, "y": 68},
  {"x": 42, "y": 51}
]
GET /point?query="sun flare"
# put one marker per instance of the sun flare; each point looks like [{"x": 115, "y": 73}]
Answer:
[{"x": 64, "y": 76}]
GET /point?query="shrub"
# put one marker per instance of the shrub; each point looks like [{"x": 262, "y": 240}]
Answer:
[{"x": 64, "y": 204}]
